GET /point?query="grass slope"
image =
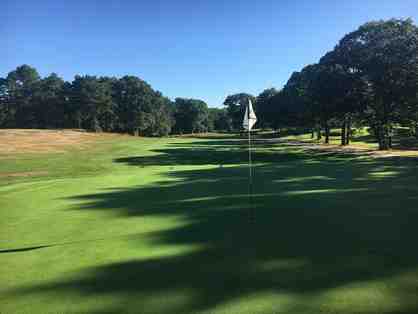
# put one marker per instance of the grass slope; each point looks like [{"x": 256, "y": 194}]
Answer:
[{"x": 157, "y": 226}]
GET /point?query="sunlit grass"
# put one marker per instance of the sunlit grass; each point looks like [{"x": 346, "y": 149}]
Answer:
[{"x": 165, "y": 226}]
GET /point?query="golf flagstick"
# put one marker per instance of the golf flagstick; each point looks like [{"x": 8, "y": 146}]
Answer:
[
  {"x": 250, "y": 178},
  {"x": 249, "y": 120}
]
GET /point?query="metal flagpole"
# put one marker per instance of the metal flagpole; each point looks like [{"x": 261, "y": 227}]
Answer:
[
  {"x": 249, "y": 120},
  {"x": 250, "y": 175}
]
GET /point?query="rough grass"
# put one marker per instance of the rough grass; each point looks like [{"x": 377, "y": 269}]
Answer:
[
  {"x": 162, "y": 226},
  {"x": 15, "y": 141}
]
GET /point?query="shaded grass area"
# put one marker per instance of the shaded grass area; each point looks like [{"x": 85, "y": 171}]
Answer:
[
  {"x": 168, "y": 232},
  {"x": 402, "y": 138}
]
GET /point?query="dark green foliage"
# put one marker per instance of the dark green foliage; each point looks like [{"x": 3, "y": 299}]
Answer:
[
  {"x": 235, "y": 105},
  {"x": 126, "y": 105},
  {"x": 267, "y": 108},
  {"x": 219, "y": 120},
  {"x": 49, "y": 101},
  {"x": 93, "y": 103},
  {"x": 93, "y": 99},
  {"x": 20, "y": 88},
  {"x": 370, "y": 78},
  {"x": 5, "y": 114},
  {"x": 140, "y": 109},
  {"x": 385, "y": 54},
  {"x": 191, "y": 116}
]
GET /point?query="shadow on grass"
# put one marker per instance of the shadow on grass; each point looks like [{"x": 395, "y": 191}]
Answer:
[
  {"x": 322, "y": 223},
  {"x": 24, "y": 249},
  {"x": 233, "y": 152},
  {"x": 400, "y": 140}
]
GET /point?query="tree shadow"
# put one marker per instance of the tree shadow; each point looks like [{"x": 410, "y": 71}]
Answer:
[
  {"x": 322, "y": 222},
  {"x": 401, "y": 140},
  {"x": 233, "y": 152},
  {"x": 24, "y": 249}
]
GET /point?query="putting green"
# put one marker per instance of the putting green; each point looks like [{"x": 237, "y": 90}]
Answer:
[{"x": 161, "y": 226}]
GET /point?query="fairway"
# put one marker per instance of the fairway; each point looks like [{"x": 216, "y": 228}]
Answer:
[{"x": 161, "y": 225}]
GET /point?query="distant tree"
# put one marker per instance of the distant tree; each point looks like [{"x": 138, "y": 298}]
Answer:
[
  {"x": 212, "y": 116},
  {"x": 133, "y": 98},
  {"x": 328, "y": 88},
  {"x": 155, "y": 118},
  {"x": 94, "y": 103},
  {"x": 350, "y": 92},
  {"x": 191, "y": 116},
  {"x": 48, "y": 102},
  {"x": 219, "y": 120},
  {"x": 21, "y": 87},
  {"x": 92, "y": 100},
  {"x": 299, "y": 106},
  {"x": 235, "y": 105},
  {"x": 108, "y": 118},
  {"x": 266, "y": 107},
  {"x": 6, "y": 117}
]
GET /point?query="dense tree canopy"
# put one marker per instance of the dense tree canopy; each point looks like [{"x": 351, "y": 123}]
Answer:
[
  {"x": 385, "y": 56},
  {"x": 191, "y": 116},
  {"x": 219, "y": 120},
  {"x": 370, "y": 78},
  {"x": 265, "y": 108},
  {"x": 127, "y": 104},
  {"x": 235, "y": 105}
]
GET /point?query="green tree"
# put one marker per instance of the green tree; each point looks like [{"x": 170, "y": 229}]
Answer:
[
  {"x": 384, "y": 54},
  {"x": 6, "y": 116},
  {"x": 48, "y": 102},
  {"x": 140, "y": 109},
  {"x": 219, "y": 120},
  {"x": 266, "y": 107},
  {"x": 92, "y": 99},
  {"x": 21, "y": 87},
  {"x": 235, "y": 105},
  {"x": 298, "y": 106},
  {"x": 132, "y": 96},
  {"x": 191, "y": 116}
]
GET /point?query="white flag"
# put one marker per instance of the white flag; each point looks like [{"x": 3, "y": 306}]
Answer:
[{"x": 249, "y": 119}]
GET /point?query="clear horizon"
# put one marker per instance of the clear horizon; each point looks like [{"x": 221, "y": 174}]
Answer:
[{"x": 193, "y": 49}]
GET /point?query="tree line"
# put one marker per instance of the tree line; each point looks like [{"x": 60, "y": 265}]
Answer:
[
  {"x": 109, "y": 104},
  {"x": 369, "y": 79}
]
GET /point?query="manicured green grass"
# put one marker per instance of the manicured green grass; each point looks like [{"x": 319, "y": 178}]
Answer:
[{"x": 162, "y": 226}]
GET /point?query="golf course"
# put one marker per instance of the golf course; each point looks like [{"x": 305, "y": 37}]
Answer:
[{"x": 106, "y": 223}]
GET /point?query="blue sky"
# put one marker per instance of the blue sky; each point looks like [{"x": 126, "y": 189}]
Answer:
[{"x": 203, "y": 49}]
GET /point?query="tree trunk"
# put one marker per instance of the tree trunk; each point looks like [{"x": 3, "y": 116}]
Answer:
[
  {"x": 312, "y": 133},
  {"x": 390, "y": 134},
  {"x": 384, "y": 144},
  {"x": 327, "y": 131},
  {"x": 318, "y": 133},
  {"x": 378, "y": 133},
  {"x": 348, "y": 131},
  {"x": 344, "y": 132},
  {"x": 383, "y": 137}
]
